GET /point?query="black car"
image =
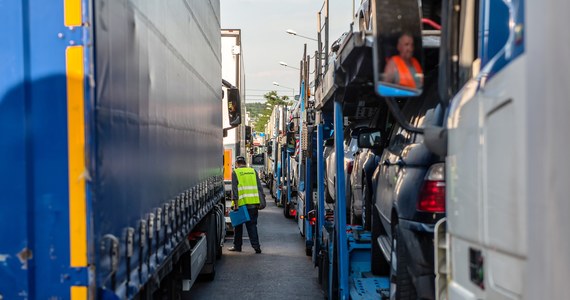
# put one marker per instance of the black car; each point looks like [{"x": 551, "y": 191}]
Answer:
[{"x": 409, "y": 198}]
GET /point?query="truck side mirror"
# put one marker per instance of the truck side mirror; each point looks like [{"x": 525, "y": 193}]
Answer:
[
  {"x": 234, "y": 107},
  {"x": 397, "y": 52},
  {"x": 370, "y": 139},
  {"x": 291, "y": 142},
  {"x": 248, "y": 135},
  {"x": 291, "y": 127}
]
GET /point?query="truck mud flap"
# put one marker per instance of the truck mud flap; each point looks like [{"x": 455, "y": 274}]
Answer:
[{"x": 441, "y": 252}]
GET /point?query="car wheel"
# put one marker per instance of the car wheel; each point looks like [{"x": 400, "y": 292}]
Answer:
[
  {"x": 347, "y": 197},
  {"x": 354, "y": 219},
  {"x": 366, "y": 207},
  {"x": 378, "y": 264},
  {"x": 401, "y": 286},
  {"x": 328, "y": 197}
]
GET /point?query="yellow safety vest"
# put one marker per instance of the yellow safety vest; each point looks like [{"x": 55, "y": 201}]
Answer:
[{"x": 247, "y": 186}]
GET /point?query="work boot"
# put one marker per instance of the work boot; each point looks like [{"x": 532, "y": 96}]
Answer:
[
  {"x": 257, "y": 250},
  {"x": 234, "y": 249}
]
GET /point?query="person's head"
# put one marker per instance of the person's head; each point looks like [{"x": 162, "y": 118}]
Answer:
[
  {"x": 240, "y": 162},
  {"x": 406, "y": 46}
]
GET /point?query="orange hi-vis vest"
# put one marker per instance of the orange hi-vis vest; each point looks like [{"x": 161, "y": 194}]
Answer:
[{"x": 405, "y": 76}]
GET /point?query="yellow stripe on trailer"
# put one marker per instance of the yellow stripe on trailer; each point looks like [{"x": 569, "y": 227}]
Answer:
[
  {"x": 76, "y": 149},
  {"x": 78, "y": 293},
  {"x": 72, "y": 13}
]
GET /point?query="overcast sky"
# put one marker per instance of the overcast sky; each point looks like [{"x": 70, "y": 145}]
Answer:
[{"x": 265, "y": 42}]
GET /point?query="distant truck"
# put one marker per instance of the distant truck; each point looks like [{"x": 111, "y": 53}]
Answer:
[
  {"x": 233, "y": 72},
  {"x": 111, "y": 183},
  {"x": 234, "y": 136}
]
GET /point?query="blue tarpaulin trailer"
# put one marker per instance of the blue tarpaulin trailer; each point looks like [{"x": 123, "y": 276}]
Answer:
[{"x": 110, "y": 142}]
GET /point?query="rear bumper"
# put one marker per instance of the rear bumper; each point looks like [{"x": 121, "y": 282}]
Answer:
[{"x": 418, "y": 238}]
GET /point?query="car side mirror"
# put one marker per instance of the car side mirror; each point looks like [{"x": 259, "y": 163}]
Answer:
[
  {"x": 370, "y": 139},
  {"x": 397, "y": 53}
]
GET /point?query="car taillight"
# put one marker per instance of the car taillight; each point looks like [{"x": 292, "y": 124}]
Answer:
[
  {"x": 432, "y": 194},
  {"x": 349, "y": 167}
]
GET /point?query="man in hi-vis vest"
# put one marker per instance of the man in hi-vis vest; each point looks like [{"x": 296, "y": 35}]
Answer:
[
  {"x": 247, "y": 190},
  {"x": 404, "y": 69}
]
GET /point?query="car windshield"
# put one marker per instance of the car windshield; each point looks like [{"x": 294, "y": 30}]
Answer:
[
  {"x": 257, "y": 160},
  {"x": 352, "y": 147}
]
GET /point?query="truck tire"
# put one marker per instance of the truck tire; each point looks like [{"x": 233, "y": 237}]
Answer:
[
  {"x": 286, "y": 208},
  {"x": 270, "y": 187},
  {"x": 221, "y": 224},
  {"x": 401, "y": 286},
  {"x": 213, "y": 245},
  {"x": 219, "y": 252},
  {"x": 209, "y": 276},
  {"x": 320, "y": 263},
  {"x": 308, "y": 251},
  {"x": 378, "y": 264}
]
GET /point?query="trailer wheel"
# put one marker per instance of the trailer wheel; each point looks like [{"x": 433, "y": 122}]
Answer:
[
  {"x": 401, "y": 286},
  {"x": 209, "y": 268},
  {"x": 378, "y": 264},
  {"x": 270, "y": 187},
  {"x": 221, "y": 224},
  {"x": 334, "y": 283},
  {"x": 286, "y": 208},
  {"x": 209, "y": 276},
  {"x": 219, "y": 252},
  {"x": 321, "y": 262}
]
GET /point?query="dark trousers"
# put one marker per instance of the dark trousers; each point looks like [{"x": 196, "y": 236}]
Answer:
[{"x": 251, "y": 227}]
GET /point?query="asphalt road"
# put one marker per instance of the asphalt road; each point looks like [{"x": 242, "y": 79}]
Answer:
[{"x": 282, "y": 271}]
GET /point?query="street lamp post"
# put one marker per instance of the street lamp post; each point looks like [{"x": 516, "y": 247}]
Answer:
[
  {"x": 288, "y": 66},
  {"x": 293, "y": 32},
  {"x": 277, "y": 84}
]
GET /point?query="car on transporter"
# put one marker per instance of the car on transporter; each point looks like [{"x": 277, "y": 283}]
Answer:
[
  {"x": 349, "y": 148},
  {"x": 366, "y": 159},
  {"x": 409, "y": 199}
]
